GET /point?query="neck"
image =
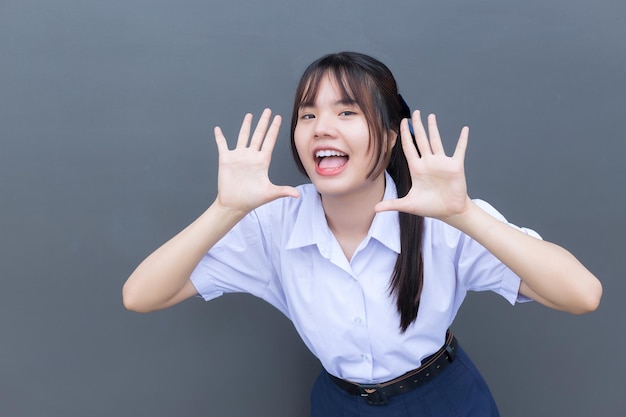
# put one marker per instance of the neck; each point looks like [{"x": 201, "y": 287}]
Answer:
[{"x": 350, "y": 216}]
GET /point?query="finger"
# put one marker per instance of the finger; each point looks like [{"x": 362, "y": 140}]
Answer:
[
  {"x": 261, "y": 128},
  {"x": 421, "y": 139},
  {"x": 410, "y": 151},
  {"x": 220, "y": 140},
  {"x": 244, "y": 131},
  {"x": 285, "y": 191},
  {"x": 272, "y": 134},
  {"x": 435, "y": 138},
  {"x": 390, "y": 205},
  {"x": 461, "y": 145}
]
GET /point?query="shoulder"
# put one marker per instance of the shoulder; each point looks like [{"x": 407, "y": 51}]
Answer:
[
  {"x": 488, "y": 208},
  {"x": 286, "y": 210},
  {"x": 308, "y": 197},
  {"x": 271, "y": 223},
  {"x": 440, "y": 233}
]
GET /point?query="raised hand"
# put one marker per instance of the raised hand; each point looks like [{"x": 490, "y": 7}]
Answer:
[
  {"x": 243, "y": 182},
  {"x": 439, "y": 188}
]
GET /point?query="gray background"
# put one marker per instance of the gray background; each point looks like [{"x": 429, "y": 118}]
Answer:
[{"x": 106, "y": 150}]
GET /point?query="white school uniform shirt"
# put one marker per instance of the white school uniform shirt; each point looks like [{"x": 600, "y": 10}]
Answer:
[{"x": 285, "y": 253}]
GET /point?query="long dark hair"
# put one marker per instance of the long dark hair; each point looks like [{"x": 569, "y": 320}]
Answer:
[{"x": 371, "y": 84}]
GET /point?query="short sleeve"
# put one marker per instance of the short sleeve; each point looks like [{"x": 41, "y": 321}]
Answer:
[
  {"x": 239, "y": 262},
  {"x": 479, "y": 270}
]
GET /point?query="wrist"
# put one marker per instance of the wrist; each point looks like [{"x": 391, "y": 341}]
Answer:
[
  {"x": 227, "y": 213},
  {"x": 465, "y": 216}
]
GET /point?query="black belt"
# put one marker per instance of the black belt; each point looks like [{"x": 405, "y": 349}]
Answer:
[{"x": 379, "y": 394}]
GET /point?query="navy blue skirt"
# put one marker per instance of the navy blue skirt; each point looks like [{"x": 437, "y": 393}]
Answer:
[{"x": 459, "y": 391}]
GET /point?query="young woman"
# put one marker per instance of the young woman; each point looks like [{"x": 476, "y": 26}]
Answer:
[{"x": 372, "y": 260}]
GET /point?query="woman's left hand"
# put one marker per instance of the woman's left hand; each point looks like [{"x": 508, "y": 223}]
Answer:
[
  {"x": 439, "y": 188},
  {"x": 550, "y": 274}
]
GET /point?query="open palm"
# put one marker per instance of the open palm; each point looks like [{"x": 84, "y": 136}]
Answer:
[
  {"x": 438, "y": 188},
  {"x": 243, "y": 182}
]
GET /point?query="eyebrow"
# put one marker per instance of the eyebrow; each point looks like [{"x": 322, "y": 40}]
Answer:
[{"x": 342, "y": 102}]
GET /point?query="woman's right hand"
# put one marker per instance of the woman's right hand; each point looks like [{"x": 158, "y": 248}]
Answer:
[
  {"x": 162, "y": 279},
  {"x": 243, "y": 182}
]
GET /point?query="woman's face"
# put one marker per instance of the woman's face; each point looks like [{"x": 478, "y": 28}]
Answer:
[{"x": 332, "y": 140}]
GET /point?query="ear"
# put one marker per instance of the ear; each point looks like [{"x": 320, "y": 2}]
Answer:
[{"x": 392, "y": 136}]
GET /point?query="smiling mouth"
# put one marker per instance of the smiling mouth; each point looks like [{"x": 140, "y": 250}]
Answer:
[{"x": 330, "y": 159}]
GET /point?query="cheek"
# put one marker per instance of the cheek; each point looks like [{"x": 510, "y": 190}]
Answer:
[
  {"x": 372, "y": 156},
  {"x": 298, "y": 140}
]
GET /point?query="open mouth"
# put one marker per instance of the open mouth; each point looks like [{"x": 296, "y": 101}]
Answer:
[{"x": 330, "y": 159}]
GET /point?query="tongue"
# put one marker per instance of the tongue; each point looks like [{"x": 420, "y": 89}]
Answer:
[{"x": 330, "y": 162}]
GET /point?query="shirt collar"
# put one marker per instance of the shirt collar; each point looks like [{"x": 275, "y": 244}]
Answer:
[
  {"x": 386, "y": 225},
  {"x": 310, "y": 226}
]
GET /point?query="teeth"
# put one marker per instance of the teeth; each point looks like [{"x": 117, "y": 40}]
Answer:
[{"x": 321, "y": 154}]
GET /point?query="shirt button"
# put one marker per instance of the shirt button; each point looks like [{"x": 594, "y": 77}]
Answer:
[
  {"x": 358, "y": 321},
  {"x": 365, "y": 358}
]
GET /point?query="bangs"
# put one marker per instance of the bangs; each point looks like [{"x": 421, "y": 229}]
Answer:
[
  {"x": 353, "y": 86},
  {"x": 349, "y": 90}
]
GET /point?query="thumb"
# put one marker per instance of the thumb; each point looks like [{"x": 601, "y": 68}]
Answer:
[
  {"x": 287, "y": 191},
  {"x": 387, "y": 205}
]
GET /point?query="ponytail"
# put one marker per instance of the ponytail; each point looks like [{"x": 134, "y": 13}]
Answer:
[{"x": 408, "y": 275}]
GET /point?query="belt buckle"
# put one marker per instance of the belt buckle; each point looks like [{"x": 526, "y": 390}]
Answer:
[{"x": 373, "y": 394}]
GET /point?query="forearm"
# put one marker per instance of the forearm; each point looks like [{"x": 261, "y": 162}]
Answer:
[
  {"x": 162, "y": 276},
  {"x": 549, "y": 273}
]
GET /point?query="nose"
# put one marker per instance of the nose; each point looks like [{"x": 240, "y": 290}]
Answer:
[{"x": 324, "y": 127}]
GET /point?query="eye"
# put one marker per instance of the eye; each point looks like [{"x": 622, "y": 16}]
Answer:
[
  {"x": 307, "y": 116},
  {"x": 347, "y": 113}
]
